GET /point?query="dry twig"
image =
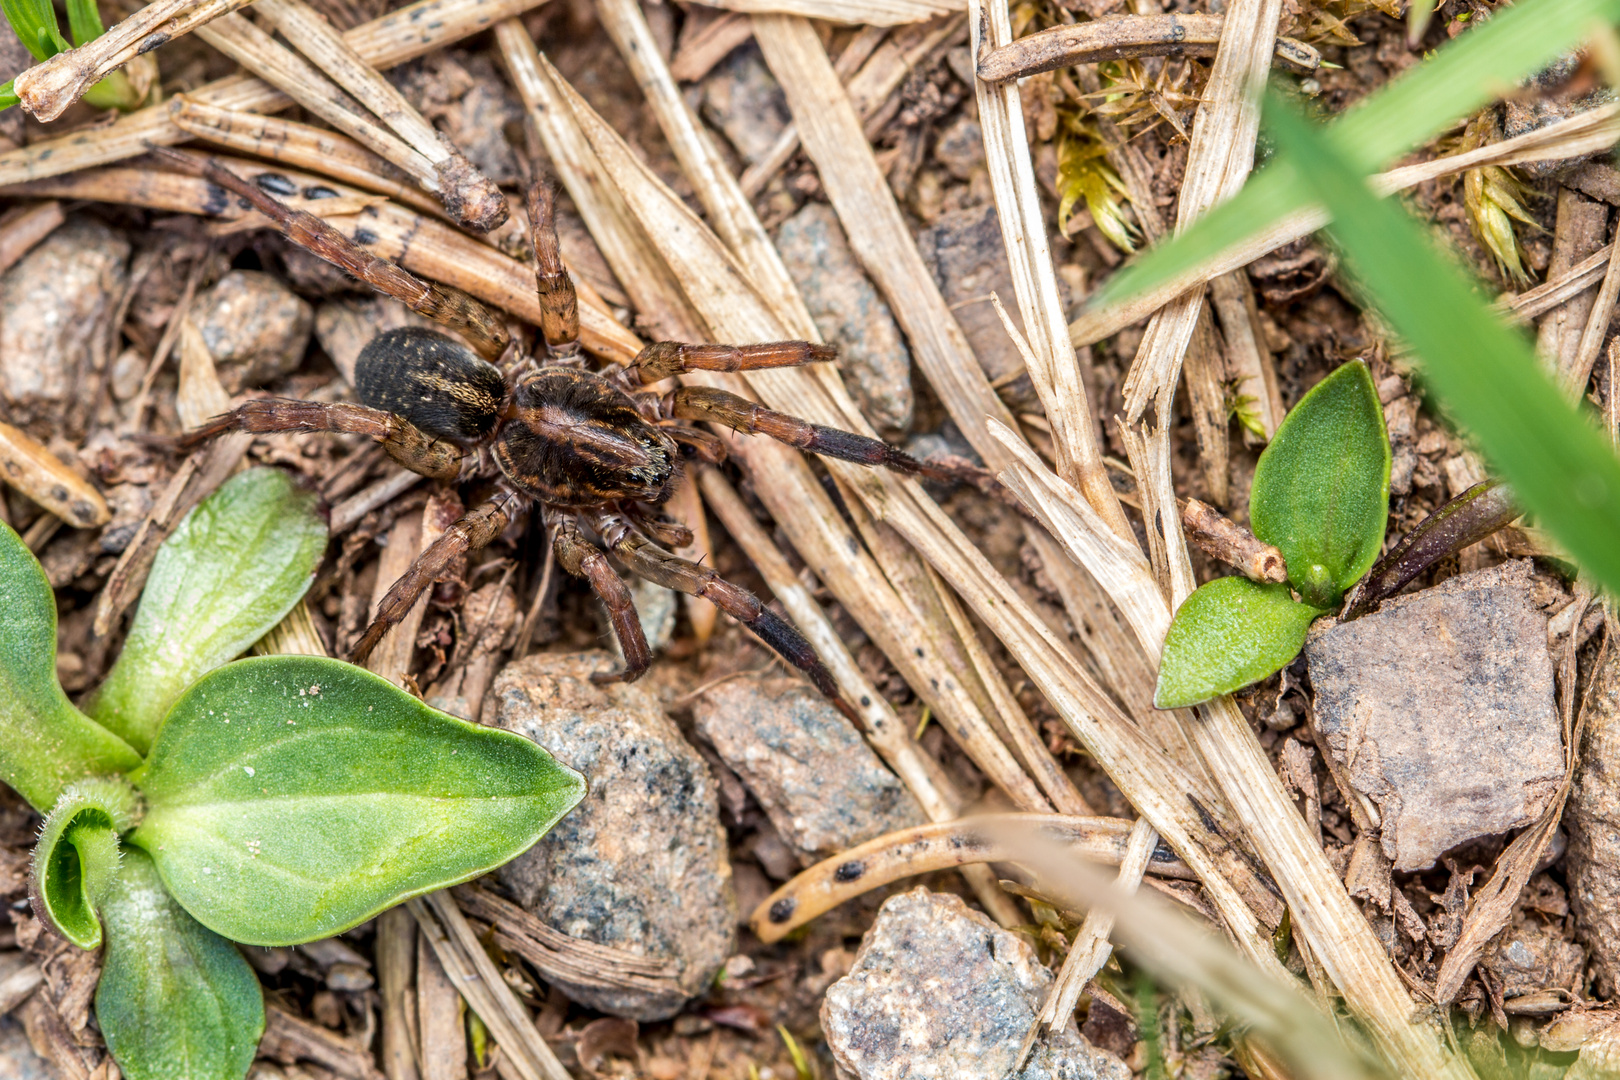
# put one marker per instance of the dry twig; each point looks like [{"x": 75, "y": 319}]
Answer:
[{"x": 1114, "y": 39}]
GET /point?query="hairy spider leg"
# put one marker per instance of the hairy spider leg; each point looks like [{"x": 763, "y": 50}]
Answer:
[
  {"x": 559, "y": 304},
  {"x": 662, "y": 359},
  {"x": 404, "y": 442},
  {"x": 482, "y": 328},
  {"x": 581, "y": 558},
  {"x": 740, "y": 414},
  {"x": 665, "y": 568},
  {"x": 471, "y": 531}
]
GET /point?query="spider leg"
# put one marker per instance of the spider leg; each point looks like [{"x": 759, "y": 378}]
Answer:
[
  {"x": 559, "y": 304},
  {"x": 705, "y": 446},
  {"x": 482, "y": 328},
  {"x": 403, "y": 441},
  {"x": 740, "y": 414},
  {"x": 475, "y": 529},
  {"x": 666, "y": 568},
  {"x": 583, "y": 559},
  {"x": 662, "y": 359}
]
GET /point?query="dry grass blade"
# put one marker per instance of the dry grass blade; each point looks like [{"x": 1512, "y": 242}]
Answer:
[
  {"x": 446, "y": 930},
  {"x": 468, "y": 195},
  {"x": 853, "y": 12},
  {"x": 49, "y": 87},
  {"x": 1141, "y": 770},
  {"x": 1575, "y": 375},
  {"x": 173, "y": 192},
  {"x": 1587, "y": 133},
  {"x": 925, "y": 849},
  {"x": 401, "y": 35},
  {"x": 27, "y": 466},
  {"x": 1023, "y": 228},
  {"x": 1114, "y": 39},
  {"x": 24, "y": 226}
]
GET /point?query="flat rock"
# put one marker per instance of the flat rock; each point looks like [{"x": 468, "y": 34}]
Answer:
[
  {"x": 817, "y": 780},
  {"x": 641, "y": 864},
  {"x": 965, "y": 251},
  {"x": 1593, "y": 819},
  {"x": 1440, "y": 705},
  {"x": 940, "y": 992},
  {"x": 850, "y": 314},
  {"x": 256, "y": 328},
  {"x": 54, "y": 303},
  {"x": 743, "y": 100}
]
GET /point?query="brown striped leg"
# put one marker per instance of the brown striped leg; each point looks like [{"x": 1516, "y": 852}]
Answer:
[
  {"x": 581, "y": 558},
  {"x": 740, "y": 414},
  {"x": 474, "y": 530},
  {"x": 666, "y": 568},
  {"x": 559, "y": 304},
  {"x": 662, "y": 359},
  {"x": 404, "y": 442}
]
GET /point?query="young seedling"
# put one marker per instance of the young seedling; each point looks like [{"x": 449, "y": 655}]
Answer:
[
  {"x": 206, "y": 800},
  {"x": 1321, "y": 496}
]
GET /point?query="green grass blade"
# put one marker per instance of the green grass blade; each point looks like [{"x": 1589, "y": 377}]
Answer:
[
  {"x": 84, "y": 21},
  {"x": 1485, "y": 372},
  {"x": 1455, "y": 81}
]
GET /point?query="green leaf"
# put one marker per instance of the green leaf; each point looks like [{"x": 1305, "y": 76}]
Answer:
[
  {"x": 1226, "y": 635},
  {"x": 76, "y": 858},
  {"x": 235, "y": 566},
  {"x": 1484, "y": 372},
  {"x": 84, "y": 21},
  {"x": 45, "y": 743},
  {"x": 8, "y": 95},
  {"x": 176, "y": 1000},
  {"x": 34, "y": 23},
  {"x": 1321, "y": 489},
  {"x": 1455, "y": 81},
  {"x": 291, "y": 797}
]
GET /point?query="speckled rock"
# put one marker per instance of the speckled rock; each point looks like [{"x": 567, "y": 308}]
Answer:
[
  {"x": 850, "y": 314},
  {"x": 1440, "y": 707},
  {"x": 1533, "y": 954},
  {"x": 742, "y": 99},
  {"x": 255, "y": 327},
  {"x": 820, "y": 784},
  {"x": 939, "y": 992},
  {"x": 54, "y": 302},
  {"x": 1593, "y": 820},
  {"x": 641, "y": 864},
  {"x": 467, "y": 99}
]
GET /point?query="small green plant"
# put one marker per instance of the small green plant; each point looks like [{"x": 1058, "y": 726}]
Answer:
[
  {"x": 1321, "y": 497},
  {"x": 34, "y": 22},
  {"x": 204, "y": 800}
]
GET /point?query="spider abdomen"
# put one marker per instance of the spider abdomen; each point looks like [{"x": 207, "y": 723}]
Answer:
[
  {"x": 571, "y": 439},
  {"x": 435, "y": 382}
]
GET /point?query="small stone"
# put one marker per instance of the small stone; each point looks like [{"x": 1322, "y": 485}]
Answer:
[
  {"x": 817, "y": 780},
  {"x": 850, "y": 314},
  {"x": 960, "y": 147},
  {"x": 742, "y": 99},
  {"x": 656, "y": 607},
  {"x": 941, "y": 991},
  {"x": 470, "y": 102},
  {"x": 1440, "y": 706},
  {"x": 1548, "y": 103},
  {"x": 255, "y": 327},
  {"x": 641, "y": 865},
  {"x": 965, "y": 252},
  {"x": 1593, "y": 819},
  {"x": 349, "y": 977},
  {"x": 17, "y": 1058},
  {"x": 54, "y": 303},
  {"x": 1534, "y": 954}
]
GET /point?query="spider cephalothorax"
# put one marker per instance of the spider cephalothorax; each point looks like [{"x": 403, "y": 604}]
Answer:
[{"x": 596, "y": 451}]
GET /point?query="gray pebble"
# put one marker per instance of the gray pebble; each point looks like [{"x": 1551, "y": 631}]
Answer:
[
  {"x": 1440, "y": 706},
  {"x": 741, "y": 98},
  {"x": 641, "y": 865},
  {"x": 255, "y": 327},
  {"x": 850, "y": 314},
  {"x": 817, "y": 780},
  {"x": 939, "y": 991}
]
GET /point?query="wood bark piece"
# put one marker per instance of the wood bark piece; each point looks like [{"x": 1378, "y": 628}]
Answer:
[
  {"x": 1580, "y": 230},
  {"x": 49, "y": 87},
  {"x": 21, "y": 227},
  {"x": 288, "y": 1039},
  {"x": 1222, "y": 538},
  {"x": 1117, "y": 38},
  {"x": 1138, "y": 767},
  {"x": 468, "y": 195},
  {"x": 401, "y": 35},
  {"x": 396, "y": 976},
  {"x": 441, "y": 1029}
]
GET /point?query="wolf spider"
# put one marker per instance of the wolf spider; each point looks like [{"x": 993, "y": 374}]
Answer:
[{"x": 593, "y": 448}]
